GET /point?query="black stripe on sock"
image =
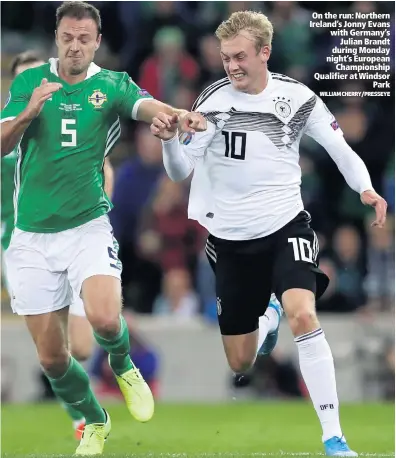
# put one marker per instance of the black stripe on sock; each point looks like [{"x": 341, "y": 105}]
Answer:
[{"x": 309, "y": 335}]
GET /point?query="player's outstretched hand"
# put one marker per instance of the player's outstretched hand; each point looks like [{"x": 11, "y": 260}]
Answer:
[
  {"x": 39, "y": 97},
  {"x": 378, "y": 203},
  {"x": 192, "y": 122},
  {"x": 165, "y": 126}
]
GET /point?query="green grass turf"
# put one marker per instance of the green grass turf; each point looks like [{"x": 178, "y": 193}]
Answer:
[{"x": 226, "y": 430}]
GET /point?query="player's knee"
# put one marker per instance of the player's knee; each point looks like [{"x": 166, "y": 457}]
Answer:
[
  {"x": 106, "y": 325},
  {"x": 302, "y": 319},
  {"x": 299, "y": 306},
  {"x": 55, "y": 363},
  {"x": 240, "y": 363}
]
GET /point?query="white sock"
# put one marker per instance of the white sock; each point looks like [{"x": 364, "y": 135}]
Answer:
[
  {"x": 317, "y": 369},
  {"x": 267, "y": 323}
]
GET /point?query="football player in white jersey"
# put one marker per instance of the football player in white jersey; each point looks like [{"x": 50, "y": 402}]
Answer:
[{"x": 246, "y": 191}]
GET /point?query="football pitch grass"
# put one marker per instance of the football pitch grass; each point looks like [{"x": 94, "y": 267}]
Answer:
[{"x": 239, "y": 430}]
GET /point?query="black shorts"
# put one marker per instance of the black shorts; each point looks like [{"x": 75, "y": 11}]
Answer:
[{"x": 248, "y": 271}]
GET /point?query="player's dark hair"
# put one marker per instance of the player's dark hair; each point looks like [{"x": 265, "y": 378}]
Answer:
[
  {"x": 27, "y": 57},
  {"x": 78, "y": 10}
]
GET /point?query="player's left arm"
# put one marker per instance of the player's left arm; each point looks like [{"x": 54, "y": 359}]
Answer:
[
  {"x": 141, "y": 106},
  {"x": 108, "y": 177},
  {"x": 323, "y": 127}
]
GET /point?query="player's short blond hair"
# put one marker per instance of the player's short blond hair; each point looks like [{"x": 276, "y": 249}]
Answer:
[{"x": 257, "y": 24}]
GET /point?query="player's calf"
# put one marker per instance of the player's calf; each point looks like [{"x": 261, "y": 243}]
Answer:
[
  {"x": 81, "y": 345},
  {"x": 47, "y": 331},
  {"x": 102, "y": 300},
  {"x": 316, "y": 360},
  {"x": 68, "y": 379},
  {"x": 80, "y": 353},
  {"x": 240, "y": 365},
  {"x": 80, "y": 337},
  {"x": 240, "y": 351}
]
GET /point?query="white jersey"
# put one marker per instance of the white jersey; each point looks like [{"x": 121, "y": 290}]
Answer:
[{"x": 247, "y": 178}]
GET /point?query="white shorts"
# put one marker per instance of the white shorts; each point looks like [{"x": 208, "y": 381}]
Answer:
[
  {"x": 45, "y": 269},
  {"x": 77, "y": 306},
  {"x": 4, "y": 276}
]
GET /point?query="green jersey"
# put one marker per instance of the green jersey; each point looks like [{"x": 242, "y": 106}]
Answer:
[
  {"x": 59, "y": 174},
  {"x": 7, "y": 195}
]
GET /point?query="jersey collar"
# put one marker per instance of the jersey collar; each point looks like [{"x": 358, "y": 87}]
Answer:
[{"x": 93, "y": 69}]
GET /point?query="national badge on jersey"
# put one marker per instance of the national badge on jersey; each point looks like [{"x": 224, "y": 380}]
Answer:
[
  {"x": 97, "y": 98},
  {"x": 185, "y": 138},
  {"x": 282, "y": 106}
]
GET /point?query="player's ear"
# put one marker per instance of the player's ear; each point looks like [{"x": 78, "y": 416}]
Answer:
[
  {"x": 98, "y": 40},
  {"x": 265, "y": 54},
  {"x": 56, "y": 37}
]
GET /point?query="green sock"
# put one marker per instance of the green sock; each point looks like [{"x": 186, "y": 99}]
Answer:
[
  {"x": 118, "y": 349},
  {"x": 74, "y": 414},
  {"x": 74, "y": 390}
]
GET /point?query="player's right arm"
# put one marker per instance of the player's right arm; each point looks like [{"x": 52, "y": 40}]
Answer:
[
  {"x": 180, "y": 159},
  {"x": 23, "y": 105},
  {"x": 323, "y": 127},
  {"x": 139, "y": 104}
]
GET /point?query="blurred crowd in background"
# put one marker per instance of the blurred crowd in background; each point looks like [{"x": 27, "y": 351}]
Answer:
[{"x": 170, "y": 50}]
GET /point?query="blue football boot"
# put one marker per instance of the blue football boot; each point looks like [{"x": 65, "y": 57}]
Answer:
[
  {"x": 272, "y": 337},
  {"x": 337, "y": 446}
]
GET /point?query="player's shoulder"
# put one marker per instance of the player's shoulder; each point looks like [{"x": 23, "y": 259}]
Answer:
[
  {"x": 111, "y": 82},
  {"x": 286, "y": 81},
  {"x": 212, "y": 95},
  {"x": 291, "y": 87},
  {"x": 33, "y": 76},
  {"x": 112, "y": 76}
]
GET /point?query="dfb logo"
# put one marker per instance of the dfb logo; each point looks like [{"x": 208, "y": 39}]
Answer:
[{"x": 326, "y": 406}]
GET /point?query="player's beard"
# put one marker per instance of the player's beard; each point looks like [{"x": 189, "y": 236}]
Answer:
[
  {"x": 76, "y": 70},
  {"x": 76, "y": 67}
]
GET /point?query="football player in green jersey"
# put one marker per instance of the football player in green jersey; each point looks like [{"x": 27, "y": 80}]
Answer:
[
  {"x": 80, "y": 331},
  {"x": 63, "y": 117}
]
